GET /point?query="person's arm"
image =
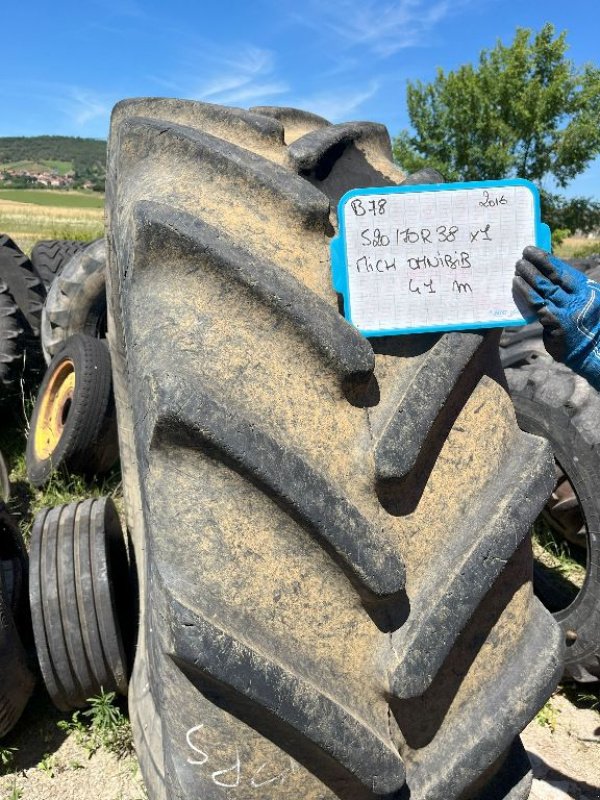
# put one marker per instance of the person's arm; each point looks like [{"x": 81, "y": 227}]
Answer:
[{"x": 568, "y": 306}]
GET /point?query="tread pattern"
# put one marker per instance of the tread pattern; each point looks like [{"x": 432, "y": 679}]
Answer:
[
  {"x": 76, "y": 301},
  {"x": 408, "y": 421},
  {"x": 75, "y": 550},
  {"x": 211, "y": 409},
  {"x": 310, "y": 497},
  {"x": 471, "y": 564},
  {"x": 295, "y": 121},
  {"x": 200, "y": 646},
  {"x": 334, "y": 157},
  {"x": 12, "y": 344},
  {"x": 17, "y": 271},
  {"x": 50, "y": 255},
  {"x": 348, "y": 352}
]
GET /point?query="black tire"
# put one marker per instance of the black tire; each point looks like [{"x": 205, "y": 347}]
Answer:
[
  {"x": 78, "y": 590},
  {"x": 12, "y": 339},
  {"x": 553, "y": 402},
  {"x": 16, "y": 681},
  {"x": 17, "y": 272},
  {"x": 281, "y": 478},
  {"x": 73, "y": 422},
  {"x": 295, "y": 121},
  {"x": 4, "y": 481},
  {"x": 50, "y": 256},
  {"x": 14, "y": 564},
  {"x": 76, "y": 301}
]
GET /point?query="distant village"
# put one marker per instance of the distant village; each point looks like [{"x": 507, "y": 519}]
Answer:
[{"x": 47, "y": 178}]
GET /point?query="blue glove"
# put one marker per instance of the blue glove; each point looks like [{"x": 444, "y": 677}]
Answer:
[{"x": 568, "y": 306}]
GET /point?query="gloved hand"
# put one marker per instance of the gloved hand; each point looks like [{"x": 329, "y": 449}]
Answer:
[{"x": 568, "y": 306}]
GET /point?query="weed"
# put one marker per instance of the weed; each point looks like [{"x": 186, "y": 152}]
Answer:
[
  {"x": 48, "y": 765},
  {"x": 547, "y": 716},
  {"x": 105, "y": 725},
  {"x": 587, "y": 700},
  {"x": 556, "y": 553},
  {"x": 7, "y": 757},
  {"x": 15, "y": 792},
  {"x": 577, "y": 247}
]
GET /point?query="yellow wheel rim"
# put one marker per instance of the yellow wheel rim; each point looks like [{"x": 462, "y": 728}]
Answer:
[{"x": 55, "y": 405}]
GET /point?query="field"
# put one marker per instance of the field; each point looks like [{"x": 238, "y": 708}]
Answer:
[
  {"x": 60, "y": 167},
  {"x": 29, "y": 215}
]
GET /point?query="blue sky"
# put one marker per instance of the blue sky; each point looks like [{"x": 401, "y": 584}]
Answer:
[{"x": 65, "y": 64}]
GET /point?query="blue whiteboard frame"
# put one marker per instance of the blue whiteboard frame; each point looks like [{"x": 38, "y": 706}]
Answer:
[{"x": 339, "y": 261}]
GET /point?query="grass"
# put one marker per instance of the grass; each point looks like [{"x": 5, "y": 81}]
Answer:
[
  {"x": 547, "y": 716},
  {"x": 7, "y": 756},
  {"x": 101, "y": 725},
  {"x": 60, "y": 167},
  {"x": 54, "y": 197},
  {"x": 578, "y": 247},
  {"x": 26, "y": 501},
  {"x": 28, "y": 223},
  {"x": 554, "y": 552}
]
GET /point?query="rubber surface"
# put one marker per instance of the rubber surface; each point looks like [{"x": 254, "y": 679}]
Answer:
[
  {"x": 77, "y": 557},
  {"x": 21, "y": 298},
  {"x": 12, "y": 340},
  {"x": 87, "y": 444},
  {"x": 76, "y": 301},
  {"x": 552, "y": 401},
  {"x": 17, "y": 271},
  {"x": 333, "y": 552},
  {"x": 16, "y": 683},
  {"x": 50, "y": 256}
]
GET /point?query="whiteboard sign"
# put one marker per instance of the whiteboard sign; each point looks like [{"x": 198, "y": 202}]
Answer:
[{"x": 434, "y": 257}]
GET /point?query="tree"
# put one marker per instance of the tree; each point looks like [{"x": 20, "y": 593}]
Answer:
[
  {"x": 525, "y": 110},
  {"x": 575, "y": 213}
]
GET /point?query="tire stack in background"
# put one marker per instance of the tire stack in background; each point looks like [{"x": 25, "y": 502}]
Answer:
[
  {"x": 553, "y": 402},
  {"x": 72, "y": 430}
]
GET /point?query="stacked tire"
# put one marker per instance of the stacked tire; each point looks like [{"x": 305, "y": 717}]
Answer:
[
  {"x": 22, "y": 296},
  {"x": 551, "y": 401},
  {"x": 73, "y": 426},
  {"x": 16, "y": 679}
]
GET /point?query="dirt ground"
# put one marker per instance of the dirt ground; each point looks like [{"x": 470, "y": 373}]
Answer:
[
  {"x": 49, "y": 763},
  {"x": 566, "y": 761}
]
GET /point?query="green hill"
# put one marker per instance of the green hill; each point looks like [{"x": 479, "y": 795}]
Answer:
[{"x": 85, "y": 158}]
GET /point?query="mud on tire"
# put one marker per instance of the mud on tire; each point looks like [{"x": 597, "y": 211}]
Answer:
[{"x": 333, "y": 550}]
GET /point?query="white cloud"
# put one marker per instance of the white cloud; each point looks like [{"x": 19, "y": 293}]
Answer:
[
  {"x": 241, "y": 75},
  {"x": 83, "y": 106},
  {"x": 337, "y": 105},
  {"x": 244, "y": 76},
  {"x": 381, "y": 28}
]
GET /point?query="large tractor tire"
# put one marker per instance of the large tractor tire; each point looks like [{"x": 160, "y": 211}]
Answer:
[
  {"x": 552, "y": 401},
  {"x": 333, "y": 551},
  {"x": 76, "y": 302},
  {"x": 50, "y": 255}
]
